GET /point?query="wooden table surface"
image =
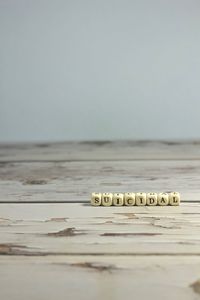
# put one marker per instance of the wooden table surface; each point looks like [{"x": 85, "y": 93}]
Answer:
[{"x": 54, "y": 245}]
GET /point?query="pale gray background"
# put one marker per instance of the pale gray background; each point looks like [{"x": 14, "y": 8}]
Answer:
[{"x": 106, "y": 69}]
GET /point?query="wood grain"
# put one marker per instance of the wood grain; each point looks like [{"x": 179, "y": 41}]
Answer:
[
  {"x": 74, "y": 229},
  {"x": 76, "y": 251},
  {"x": 101, "y": 150},
  {"x": 75, "y": 181},
  {"x": 99, "y": 277}
]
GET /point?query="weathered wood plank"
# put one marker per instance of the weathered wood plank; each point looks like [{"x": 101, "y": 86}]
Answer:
[
  {"x": 46, "y": 229},
  {"x": 74, "y": 181},
  {"x": 99, "y": 277},
  {"x": 101, "y": 150},
  {"x": 102, "y": 278},
  {"x": 115, "y": 252}
]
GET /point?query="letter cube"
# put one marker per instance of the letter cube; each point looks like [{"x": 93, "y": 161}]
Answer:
[
  {"x": 96, "y": 199},
  {"x": 174, "y": 198},
  {"x": 152, "y": 199},
  {"x": 106, "y": 199},
  {"x": 140, "y": 199},
  {"x": 118, "y": 199},
  {"x": 129, "y": 199},
  {"x": 163, "y": 199}
]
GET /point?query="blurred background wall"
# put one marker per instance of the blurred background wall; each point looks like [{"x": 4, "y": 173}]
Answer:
[{"x": 99, "y": 69}]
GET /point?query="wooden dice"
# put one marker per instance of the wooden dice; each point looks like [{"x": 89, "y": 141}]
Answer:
[
  {"x": 152, "y": 199},
  {"x": 135, "y": 199},
  {"x": 107, "y": 199},
  {"x": 96, "y": 199},
  {"x": 174, "y": 198},
  {"x": 129, "y": 199},
  {"x": 118, "y": 199},
  {"x": 140, "y": 199},
  {"x": 163, "y": 199}
]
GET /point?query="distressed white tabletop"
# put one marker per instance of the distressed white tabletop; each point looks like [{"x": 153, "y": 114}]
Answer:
[{"x": 54, "y": 244}]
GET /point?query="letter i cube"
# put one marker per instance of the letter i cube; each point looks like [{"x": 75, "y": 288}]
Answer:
[
  {"x": 118, "y": 199},
  {"x": 140, "y": 199}
]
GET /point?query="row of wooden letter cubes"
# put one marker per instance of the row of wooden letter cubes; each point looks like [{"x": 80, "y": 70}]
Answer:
[{"x": 131, "y": 199}]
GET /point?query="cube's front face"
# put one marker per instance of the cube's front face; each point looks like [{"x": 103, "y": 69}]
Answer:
[
  {"x": 129, "y": 199},
  {"x": 140, "y": 199},
  {"x": 107, "y": 199},
  {"x": 96, "y": 199},
  {"x": 118, "y": 199},
  {"x": 163, "y": 199},
  {"x": 174, "y": 199},
  {"x": 152, "y": 199}
]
